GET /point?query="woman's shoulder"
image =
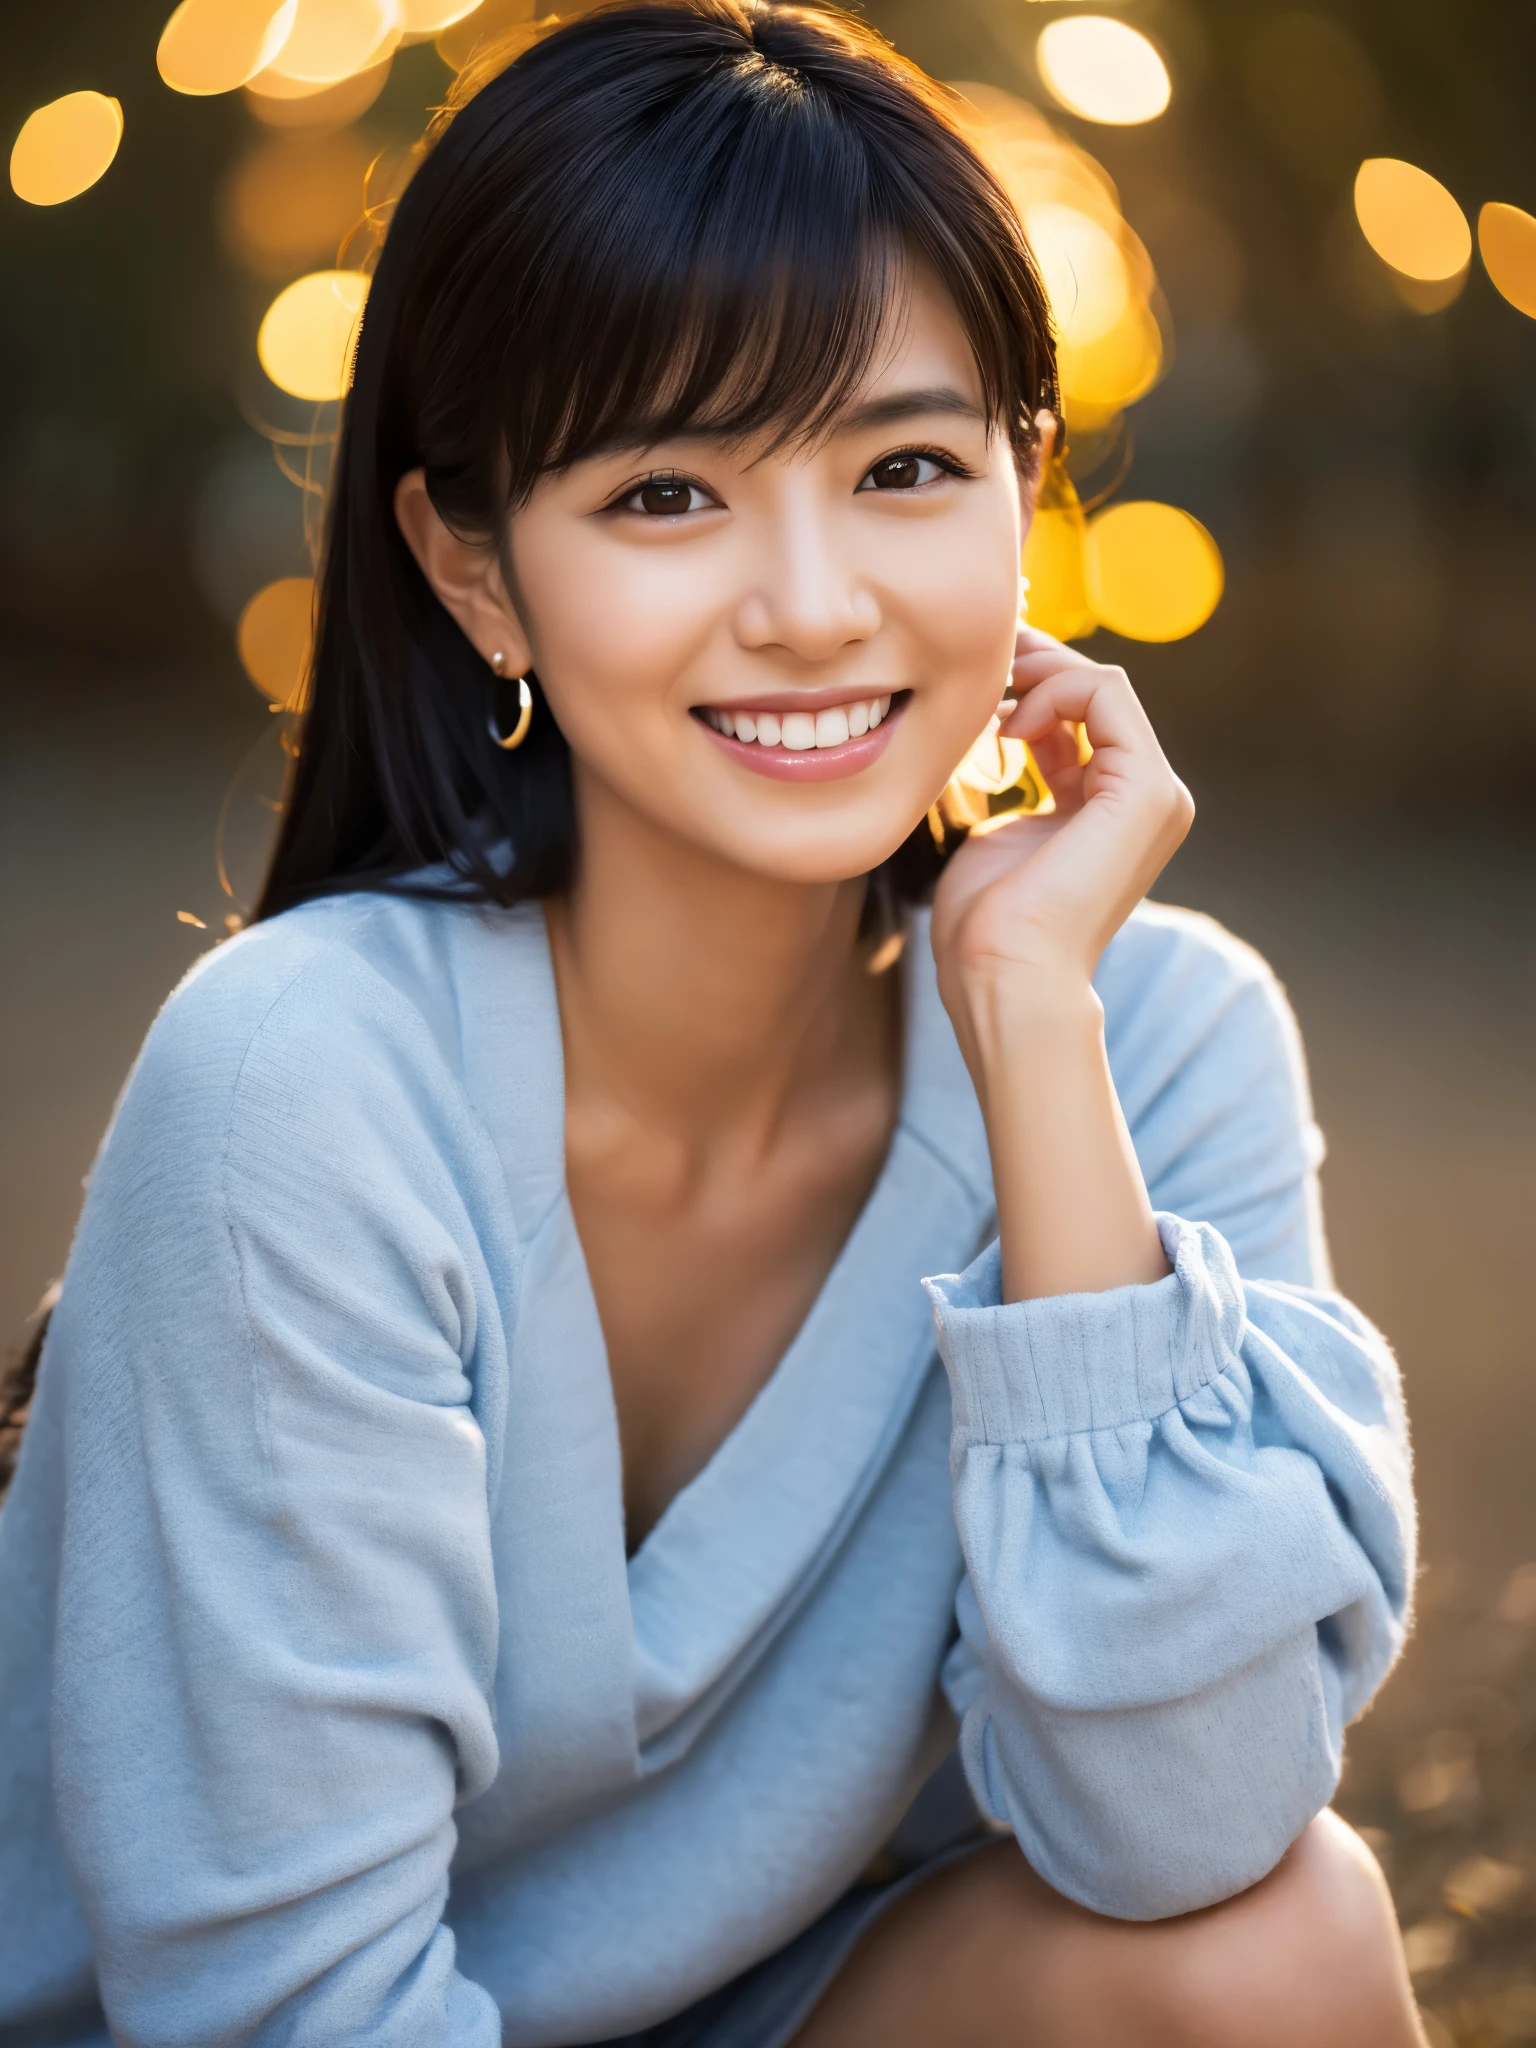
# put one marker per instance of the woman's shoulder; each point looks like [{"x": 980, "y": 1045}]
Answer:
[
  {"x": 341, "y": 1014},
  {"x": 349, "y": 966},
  {"x": 1163, "y": 949},
  {"x": 319, "y": 978},
  {"x": 1204, "y": 1046},
  {"x": 1174, "y": 979}
]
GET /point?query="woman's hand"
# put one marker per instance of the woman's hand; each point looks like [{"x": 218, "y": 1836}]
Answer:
[
  {"x": 1046, "y": 895},
  {"x": 1019, "y": 921}
]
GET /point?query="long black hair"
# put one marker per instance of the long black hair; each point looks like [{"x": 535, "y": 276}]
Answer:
[{"x": 682, "y": 214}]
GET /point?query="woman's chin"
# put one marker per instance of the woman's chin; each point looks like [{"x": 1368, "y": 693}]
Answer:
[{"x": 814, "y": 857}]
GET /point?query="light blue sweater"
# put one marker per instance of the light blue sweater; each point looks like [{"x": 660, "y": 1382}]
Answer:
[{"x": 331, "y": 1711}]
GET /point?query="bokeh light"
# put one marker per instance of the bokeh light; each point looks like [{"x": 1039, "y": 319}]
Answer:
[
  {"x": 1053, "y": 561},
  {"x": 1427, "y": 294},
  {"x": 292, "y": 201},
  {"x": 1097, "y": 275},
  {"x": 1410, "y": 220},
  {"x": 332, "y": 39},
  {"x": 1152, "y": 571},
  {"x": 1101, "y": 377},
  {"x": 274, "y": 636},
  {"x": 1506, "y": 240},
  {"x": 1081, "y": 267},
  {"x": 1102, "y": 69},
  {"x": 431, "y": 17},
  {"x": 213, "y": 46},
  {"x": 65, "y": 147},
  {"x": 279, "y": 102},
  {"x": 305, "y": 341}
]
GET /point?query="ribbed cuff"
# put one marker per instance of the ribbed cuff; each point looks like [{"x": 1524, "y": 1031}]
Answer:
[{"x": 1075, "y": 1362}]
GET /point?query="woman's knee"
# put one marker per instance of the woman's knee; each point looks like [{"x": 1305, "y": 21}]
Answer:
[
  {"x": 1311, "y": 1953},
  {"x": 987, "y": 1953}
]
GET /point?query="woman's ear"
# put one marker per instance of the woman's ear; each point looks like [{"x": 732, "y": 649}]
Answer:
[
  {"x": 465, "y": 574},
  {"x": 1032, "y": 480}
]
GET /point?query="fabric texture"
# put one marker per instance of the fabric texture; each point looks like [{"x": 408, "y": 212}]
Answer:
[{"x": 332, "y": 1710}]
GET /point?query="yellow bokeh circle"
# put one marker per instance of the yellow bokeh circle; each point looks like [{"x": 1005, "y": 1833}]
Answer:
[
  {"x": 332, "y": 39},
  {"x": 1103, "y": 376},
  {"x": 306, "y": 340},
  {"x": 65, "y": 147},
  {"x": 1102, "y": 69},
  {"x": 1152, "y": 572},
  {"x": 213, "y": 46},
  {"x": 1506, "y": 240},
  {"x": 1053, "y": 561},
  {"x": 1410, "y": 219},
  {"x": 274, "y": 637}
]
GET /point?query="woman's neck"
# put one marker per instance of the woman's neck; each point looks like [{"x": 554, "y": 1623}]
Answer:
[{"x": 697, "y": 995}]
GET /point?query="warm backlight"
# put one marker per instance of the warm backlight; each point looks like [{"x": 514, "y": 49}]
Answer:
[
  {"x": 1081, "y": 267},
  {"x": 211, "y": 46},
  {"x": 1152, "y": 572},
  {"x": 1506, "y": 240},
  {"x": 492, "y": 18},
  {"x": 1410, "y": 220},
  {"x": 431, "y": 17},
  {"x": 1101, "y": 377},
  {"x": 305, "y": 342},
  {"x": 280, "y": 102},
  {"x": 274, "y": 635},
  {"x": 331, "y": 39},
  {"x": 1102, "y": 69},
  {"x": 293, "y": 200},
  {"x": 65, "y": 147},
  {"x": 1053, "y": 561}
]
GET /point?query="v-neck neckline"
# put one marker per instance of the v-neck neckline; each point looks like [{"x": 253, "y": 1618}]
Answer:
[
  {"x": 740, "y": 1545},
  {"x": 804, "y": 1331}
]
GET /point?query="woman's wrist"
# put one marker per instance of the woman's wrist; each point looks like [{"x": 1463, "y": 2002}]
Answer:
[
  {"x": 1014, "y": 1020},
  {"x": 1073, "y": 1212}
]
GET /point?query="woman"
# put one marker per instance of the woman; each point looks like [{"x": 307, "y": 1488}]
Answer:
[{"x": 499, "y": 1551}]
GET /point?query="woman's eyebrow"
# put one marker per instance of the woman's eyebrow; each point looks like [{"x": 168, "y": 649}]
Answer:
[{"x": 905, "y": 405}]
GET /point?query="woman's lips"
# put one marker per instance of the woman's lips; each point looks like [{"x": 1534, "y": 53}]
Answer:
[{"x": 817, "y": 763}]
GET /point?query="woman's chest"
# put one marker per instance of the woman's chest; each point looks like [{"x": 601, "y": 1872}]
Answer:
[{"x": 702, "y": 1277}]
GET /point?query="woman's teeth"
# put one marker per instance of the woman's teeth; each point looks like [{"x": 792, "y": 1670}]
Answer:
[{"x": 799, "y": 731}]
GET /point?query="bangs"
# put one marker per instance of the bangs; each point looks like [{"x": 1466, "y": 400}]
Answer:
[
  {"x": 731, "y": 244},
  {"x": 741, "y": 288}
]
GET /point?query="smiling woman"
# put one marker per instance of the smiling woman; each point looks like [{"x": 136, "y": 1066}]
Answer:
[
  {"x": 606, "y": 1468},
  {"x": 733, "y": 262}
]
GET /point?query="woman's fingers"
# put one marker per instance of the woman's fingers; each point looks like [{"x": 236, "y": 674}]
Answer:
[
  {"x": 1101, "y": 699},
  {"x": 1056, "y": 756}
]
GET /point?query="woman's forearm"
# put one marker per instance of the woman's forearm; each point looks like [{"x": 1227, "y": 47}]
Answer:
[{"x": 1072, "y": 1207}]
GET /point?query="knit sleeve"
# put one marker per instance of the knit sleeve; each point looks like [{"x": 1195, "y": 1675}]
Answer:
[
  {"x": 282, "y": 1336},
  {"x": 1185, "y": 1508}
]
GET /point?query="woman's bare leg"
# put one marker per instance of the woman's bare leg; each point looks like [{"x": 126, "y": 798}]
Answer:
[{"x": 984, "y": 1955}]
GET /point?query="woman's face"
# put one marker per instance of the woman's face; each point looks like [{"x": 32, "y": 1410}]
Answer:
[{"x": 781, "y": 657}]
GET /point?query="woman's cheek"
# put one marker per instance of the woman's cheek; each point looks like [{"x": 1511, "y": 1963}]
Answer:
[
  {"x": 968, "y": 620},
  {"x": 609, "y": 666}
]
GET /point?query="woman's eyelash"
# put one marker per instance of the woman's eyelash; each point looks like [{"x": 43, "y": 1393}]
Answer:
[{"x": 944, "y": 458}]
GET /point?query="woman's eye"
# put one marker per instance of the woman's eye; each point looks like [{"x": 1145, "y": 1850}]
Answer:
[
  {"x": 665, "y": 496},
  {"x": 904, "y": 471}
]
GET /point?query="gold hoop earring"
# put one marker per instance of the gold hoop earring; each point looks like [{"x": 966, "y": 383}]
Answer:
[{"x": 519, "y": 732}]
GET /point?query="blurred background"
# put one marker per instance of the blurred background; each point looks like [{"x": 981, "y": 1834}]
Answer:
[{"x": 1293, "y": 259}]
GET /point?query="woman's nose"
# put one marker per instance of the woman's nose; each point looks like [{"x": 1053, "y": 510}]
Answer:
[{"x": 805, "y": 597}]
